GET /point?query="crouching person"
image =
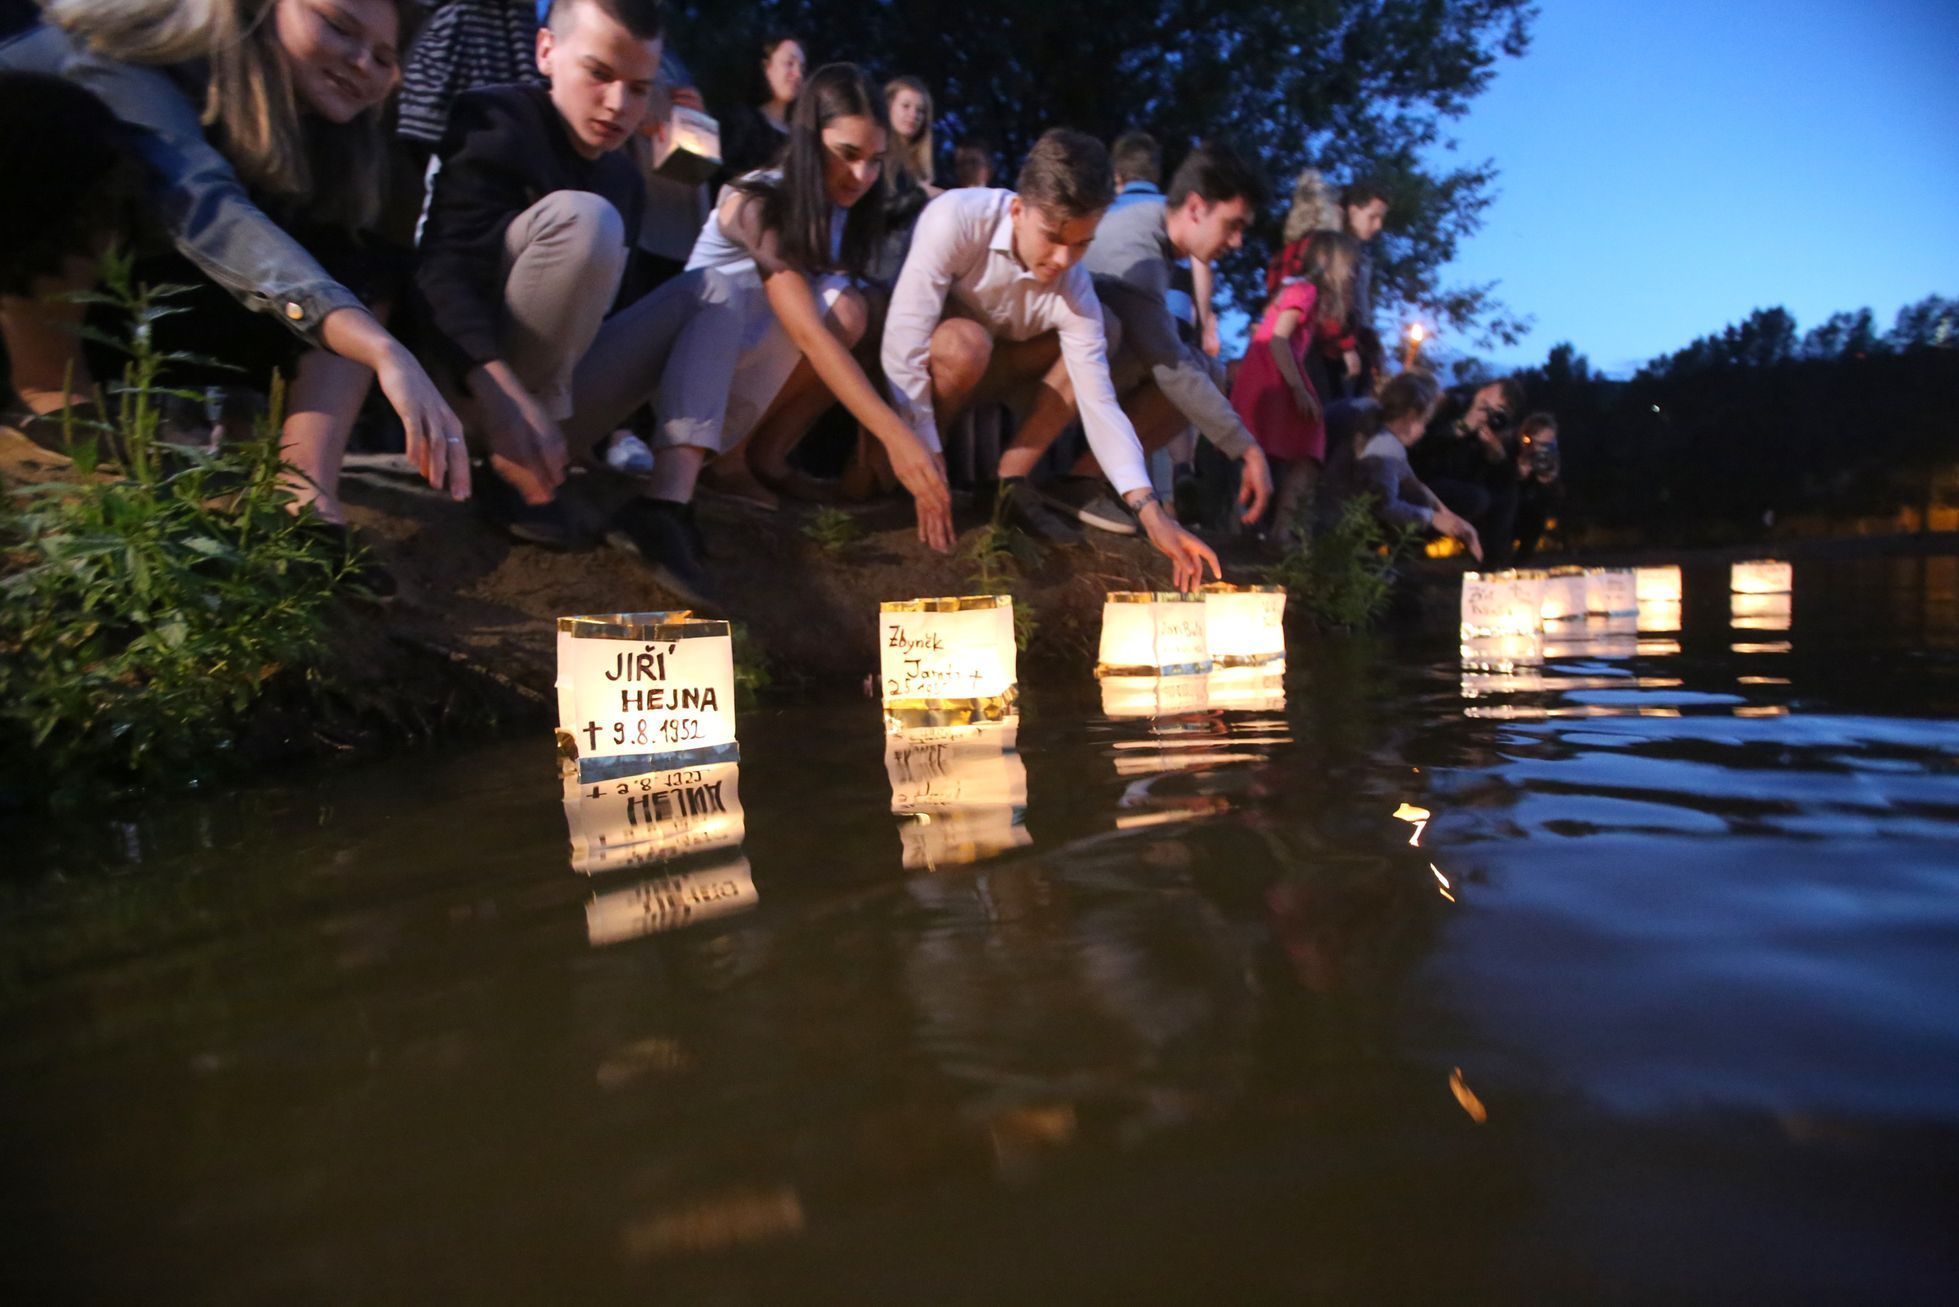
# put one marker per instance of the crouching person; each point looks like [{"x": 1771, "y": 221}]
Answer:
[
  {"x": 1371, "y": 460},
  {"x": 524, "y": 255}
]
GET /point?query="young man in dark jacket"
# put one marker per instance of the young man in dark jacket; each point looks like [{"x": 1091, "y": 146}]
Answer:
[{"x": 530, "y": 223}]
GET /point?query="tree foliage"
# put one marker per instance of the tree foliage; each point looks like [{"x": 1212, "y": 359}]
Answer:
[
  {"x": 1347, "y": 86},
  {"x": 1758, "y": 421}
]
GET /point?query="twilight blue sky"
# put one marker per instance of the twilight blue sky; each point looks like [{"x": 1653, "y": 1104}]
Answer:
[{"x": 1669, "y": 166}]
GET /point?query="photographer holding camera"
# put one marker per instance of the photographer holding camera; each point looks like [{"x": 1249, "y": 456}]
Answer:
[
  {"x": 1539, "y": 489},
  {"x": 1469, "y": 458}
]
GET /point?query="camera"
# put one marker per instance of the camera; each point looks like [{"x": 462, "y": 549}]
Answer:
[{"x": 1499, "y": 418}]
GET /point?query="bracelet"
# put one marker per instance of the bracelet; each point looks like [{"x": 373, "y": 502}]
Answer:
[{"x": 1137, "y": 506}]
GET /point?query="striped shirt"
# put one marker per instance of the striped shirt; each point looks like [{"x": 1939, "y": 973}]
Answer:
[{"x": 465, "y": 44}]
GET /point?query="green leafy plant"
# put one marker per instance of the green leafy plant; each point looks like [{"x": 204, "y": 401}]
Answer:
[
  {"x": 833, "y": 529},
  {"x": 997, "y": 554},
  {"x": 144, "y": 608},
  {"x": 1344, "y": 575}
]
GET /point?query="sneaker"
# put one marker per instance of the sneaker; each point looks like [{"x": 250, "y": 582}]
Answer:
[
  {"x": 628, "y": 454},
  {"x": 659, "y": 533},
  {"x": 1089, "y": 502},
  {"x": 1021, "y": 506}
]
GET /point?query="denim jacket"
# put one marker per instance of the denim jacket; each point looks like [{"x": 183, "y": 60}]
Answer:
[{"x": 200, "y": 199}]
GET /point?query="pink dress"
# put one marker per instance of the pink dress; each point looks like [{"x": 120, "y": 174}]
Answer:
[{"x": 1263, "y": 399}]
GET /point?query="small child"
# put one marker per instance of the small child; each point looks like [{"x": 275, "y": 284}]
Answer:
[{"x": 1276, "y": 393}]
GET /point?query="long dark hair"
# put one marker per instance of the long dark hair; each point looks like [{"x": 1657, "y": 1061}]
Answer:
[{"x": 798, "y": 208}]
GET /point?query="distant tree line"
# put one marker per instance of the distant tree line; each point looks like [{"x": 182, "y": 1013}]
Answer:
[{"x": 1760, "y": 422}]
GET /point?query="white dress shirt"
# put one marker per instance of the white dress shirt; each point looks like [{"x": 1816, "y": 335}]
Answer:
[{"x": 962, "y": 250}]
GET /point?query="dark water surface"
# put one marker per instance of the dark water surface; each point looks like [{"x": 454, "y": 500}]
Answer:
[{"x": 1661, "y": 1003}]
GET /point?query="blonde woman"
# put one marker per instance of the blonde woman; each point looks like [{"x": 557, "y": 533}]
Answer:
[
  {"x": 237, "y": 106},
  {"x": 909, "y": 158}
]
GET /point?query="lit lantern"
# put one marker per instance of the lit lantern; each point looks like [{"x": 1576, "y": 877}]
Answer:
[
  {"x": 640, "y": 692},
  {"x": 629, "y": 821},
  {"x": 962, "y": 790},
  {"x": 665, "y": 903},
  {"x": 1247, "y": 689},
  {"x": 1761, "y": 577},
  {"x": 1244, "y": 625},
  {"x": 1153, "y": 633},
  {"x": 1657, "y": 584},
  {"x": 1611, "y": 592},
  {"x": 689, "y": 151},
  {"x": 948, "y": 661},
  {"x": 1155, "y": 696},
  {"x": 1502, "y": 603},
  {"x": 1757, "y": 611},
  {"x": 1564, "y": 594}
]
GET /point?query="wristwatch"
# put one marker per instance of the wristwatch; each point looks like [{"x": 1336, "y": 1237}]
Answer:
[{"x": 1143, "y": 501}]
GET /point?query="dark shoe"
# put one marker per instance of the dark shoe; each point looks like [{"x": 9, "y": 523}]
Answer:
[
  {"x": 659, "y": 533},
  {"x": 549, "y": 526},
  {"x": 1088, "y": 500},
  {"x": 1020, "y": 506}
]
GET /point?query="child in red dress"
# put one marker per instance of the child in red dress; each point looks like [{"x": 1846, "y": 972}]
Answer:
[{"x": 1312, "y": 286}]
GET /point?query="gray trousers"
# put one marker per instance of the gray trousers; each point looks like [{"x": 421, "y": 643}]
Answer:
[{"x": 563, "y": 261}]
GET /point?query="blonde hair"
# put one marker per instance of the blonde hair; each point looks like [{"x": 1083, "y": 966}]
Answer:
[
  {"x": 337, "y": 171},
  {"x": 913, "y": 156}
]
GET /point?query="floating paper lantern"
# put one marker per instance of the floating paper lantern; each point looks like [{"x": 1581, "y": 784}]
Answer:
[
  {"x": 1502, "y": 603},
  {"x": 1244, "y": 625},
  {"x": 947, "y": 661},
  {"x": 629, "y": 821},
  {"x": 1657, "y": 584},
  {"x": 1153, "y": 633},
  {"x": 638, "y": 692},
  {"x": 962, "y": 790},
  {"x": 1246, "y": 689},
  {"x": 689, "y": 151},
  {"x": 1611, "y": 592},
  {"x": 1564, "y": 594},
  {"x": 1155, "y": 696},
  {"x": 1756, "y": 611},
  {"x": 666, "y": 903},
  {"x": 1761, "y": 577}
]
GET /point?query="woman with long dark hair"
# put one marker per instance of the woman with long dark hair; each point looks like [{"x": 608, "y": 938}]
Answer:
[
  {"x": 795, "y": 241},
  {"x": 753, "y": 136}
]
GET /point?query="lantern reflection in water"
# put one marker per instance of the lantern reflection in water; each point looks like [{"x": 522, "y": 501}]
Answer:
[
  {"x": 1595, "y": 637},
  {"x": 962, "y": 790},
  {"x": 690, "y": 816},
  {"x": 1153, "y": 633},
  {"x": 947, "y": 661},
  {"x": 1753, "y": 611},
  {"x": 638, "y": 692},
  {"x": 1244, "y": 625}
]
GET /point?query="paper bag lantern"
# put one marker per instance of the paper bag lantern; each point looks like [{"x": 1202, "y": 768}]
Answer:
[
  {"x": 1657, "y": 584},
  {"x": 1153, "y": 633},
  {"x": 1564, "y": 594},
  {"x": 638, "y": 692},
  {"x": 962, "y": 790},
  {"x": 1761, "y": 577},
  {"x": 1155, "y": 696},
  {"x": 947, "y": 661},
  {"x": 689, "y": 151},
  {"x": 1502, "y": 603},
  {"x": 1611, "y": 592},
  {"x": 1244, "y": 625},
  {"x": 629, "y": 821},
  {"x": 665, "y": 903}
]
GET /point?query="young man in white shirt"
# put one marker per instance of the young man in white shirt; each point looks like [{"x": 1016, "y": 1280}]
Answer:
[{"x": 994, "y": 304}]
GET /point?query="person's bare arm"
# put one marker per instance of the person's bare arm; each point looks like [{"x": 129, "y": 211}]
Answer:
[
  {"x": 434, "y": 434},
  {"x": 1202, "y": 284},
  {"x": 1290, "y": 322}
]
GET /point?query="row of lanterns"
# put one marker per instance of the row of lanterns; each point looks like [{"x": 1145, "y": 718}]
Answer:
[
  {"x": 651, "y": 763},
  {"x": 1524, "y": 602}
]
